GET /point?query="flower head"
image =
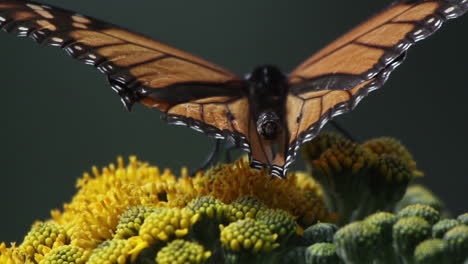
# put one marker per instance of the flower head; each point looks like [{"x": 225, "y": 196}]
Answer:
[
  {"x": 441, "y": 227},
  {"x": 463, "y": 219},
  {"x": 112, "y": 251},
  {"x": 131, "y": 220},
  {"x": 431, "y": 251},
  {"x": 167, "y": 223},
  {"x": 320, "y": 232},
  {"x": 384, "y": 221},
  {"x": 66, "y": 254},
  {"x": 245, "y": 207},
  {"x": 13, "y": 255},
  {"x": 418, "y": 194},
  {"x": 208, "y": 207},
  {"x": 457, "y": 243},
  {"x": 279, "y": 222},
  {"x": 42, "y": 238},
  {"x": 428, "y": 213},
  {"x": 357, "y": 242},
  {"x": 324, "y": 253},
  {"x": 393, "y": 147},
  {"x": 321, "y": 143},
  {"x": 248, "y": 235},
  {"x": 182, "y": 252},
  {"x": 408, "y": 232}
]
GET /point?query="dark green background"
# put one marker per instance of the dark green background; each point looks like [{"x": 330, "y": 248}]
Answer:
[{"x": 59, "y": 117}]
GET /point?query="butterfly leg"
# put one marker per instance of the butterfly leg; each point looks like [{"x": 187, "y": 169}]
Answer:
[
  {"x": 230, "y": 146},
  {"x": 343, "y": 131},
  {"x": 212, "y": 158}
]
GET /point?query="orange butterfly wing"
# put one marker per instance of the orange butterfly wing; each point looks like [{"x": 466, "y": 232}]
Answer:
[
  {"x": 189, "y": 90},
  {"x": 335, "y": 79}
]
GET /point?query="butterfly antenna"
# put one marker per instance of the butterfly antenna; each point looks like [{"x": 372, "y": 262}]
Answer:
[
  {"x": 211, "y": 159},
  {"x": 343, "y": 131}
]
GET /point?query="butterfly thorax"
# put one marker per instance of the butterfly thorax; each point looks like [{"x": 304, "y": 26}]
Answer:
[{"x": 268, "y": 88}]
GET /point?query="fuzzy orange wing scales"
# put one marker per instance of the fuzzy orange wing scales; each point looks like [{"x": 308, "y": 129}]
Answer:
[
  {"x": 134, "y": 63},
  {"x": 384, "y": 31},
  {"x": 353, "y": 34},
  {"x": 353, "y": 58}
]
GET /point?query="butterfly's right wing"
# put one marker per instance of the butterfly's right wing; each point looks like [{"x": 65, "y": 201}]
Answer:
[{"x": 335, "y": 79}]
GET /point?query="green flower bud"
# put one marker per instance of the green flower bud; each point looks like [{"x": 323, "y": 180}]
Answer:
[
  {"x": 131, "y": 221},
  {"x": 182, "y": 252},
  {"x": 428, "y": 213},
  {"x": 294, "y": 256},
  {"x": 166, "y": 224},
  {"x": 208, "y": 207},
  {"x": 322, "y": 142},
  {"x": 43, "y": 237},
  {"x": 457, "y": 243},
  {"x": 320, "y": 232},
  {"x": 248, "y": 241},
  {"x": 357, "y": 242},
  {"x": 279, "y": 222},
  {"x": 418, "y": 194},
  {"x": 441, "y": 227},
  {"x": 431, "y": 251},
  {"x": 339, "y": 167},
  {"x": 388, "y": 183},
  {"x": 248, "y": 235},
  {"x": 384, "y": 221},
  {"x": 245, "y": 207},
  {"x": 114, "y": 251},
  {"x": 212, "y": 214},
  {"x": 67, "y": 255},
  {"x": 408, "y": 232},
  {"x": 393, "y": 147},
  {"x": 322, "y": 253},
  {"x": 463, "y": 219}
]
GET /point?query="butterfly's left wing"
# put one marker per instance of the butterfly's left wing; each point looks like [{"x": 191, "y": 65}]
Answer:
[
  {"x": 188, "y": 90},
  {"x": 336, "y": 78}
]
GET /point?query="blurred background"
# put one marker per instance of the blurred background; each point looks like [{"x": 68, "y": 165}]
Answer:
[{"x": 60, "y": 117}]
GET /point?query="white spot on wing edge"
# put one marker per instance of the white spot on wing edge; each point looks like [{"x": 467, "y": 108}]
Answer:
[
  {"x": 57, "y": 39},
  {"x": 449, "y": 10}
]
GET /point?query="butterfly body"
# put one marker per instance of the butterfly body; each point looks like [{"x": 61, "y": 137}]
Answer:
[
  {"x": 268, "y": 89},
  {"x": 268, "y": 114}
]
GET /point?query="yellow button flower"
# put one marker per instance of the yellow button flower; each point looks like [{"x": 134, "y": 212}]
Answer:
[
  {"x": 66, "y": 254},
  {"x": 245, "y": 207},
  {"x": 116, "y": 251},
  {"x": 42, "y": 238},
  {"x": 182, "y": 252},
  {"x": 131, "y": 221},
  {"x": 248, "y": 235},
  {"x": 166, "y": 224}
]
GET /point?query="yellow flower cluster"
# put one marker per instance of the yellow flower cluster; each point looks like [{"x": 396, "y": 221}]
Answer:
[{"x": 122, "y": 210}]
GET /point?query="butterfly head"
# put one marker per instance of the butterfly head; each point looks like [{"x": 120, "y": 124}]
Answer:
[{"x": 269, "y": 125}]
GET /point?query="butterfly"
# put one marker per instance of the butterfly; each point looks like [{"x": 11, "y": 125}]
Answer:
[{"x": 268, "y": 113}]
